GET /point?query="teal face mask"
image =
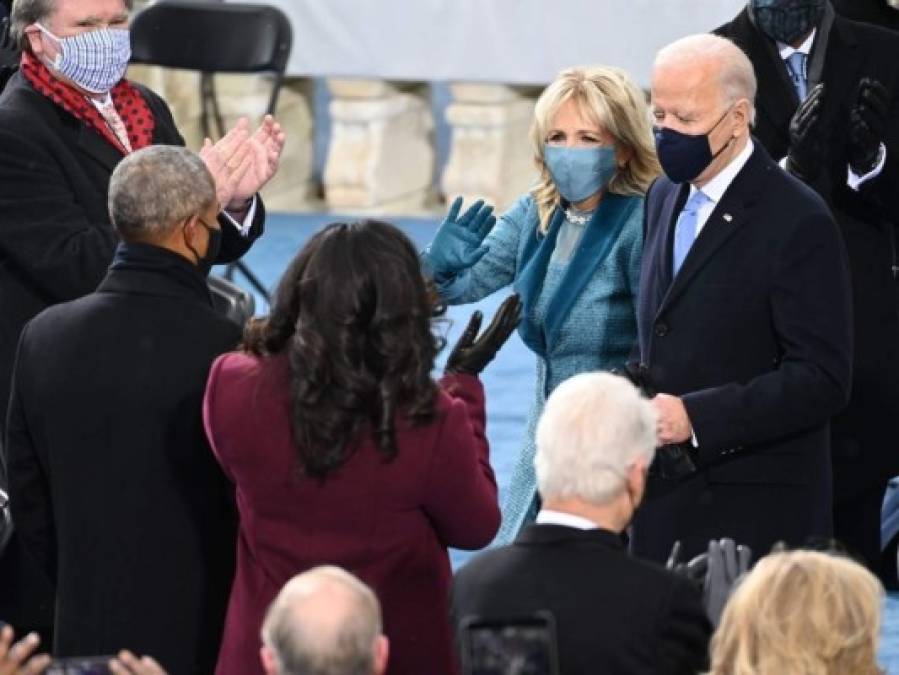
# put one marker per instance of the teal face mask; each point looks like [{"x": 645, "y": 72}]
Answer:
[{"x": 580, "y": 172}]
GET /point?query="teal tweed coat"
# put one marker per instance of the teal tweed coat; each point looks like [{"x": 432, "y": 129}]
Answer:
[{"x": 589, "y": 323}]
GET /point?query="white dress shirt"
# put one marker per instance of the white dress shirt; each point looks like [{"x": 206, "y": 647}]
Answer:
[
  {"x": 852, "y": 180},
  {"x": 549, "y": 517},
  {"x": 716, "y": 187}
]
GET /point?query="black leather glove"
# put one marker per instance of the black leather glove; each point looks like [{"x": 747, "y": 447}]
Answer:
[
  {"x": 472, "y": 353},
  {"x": 675, "y": 460},
  {"x": 715, "y": 572},
  {"x": 807, "y": 138},
  {"x": 867, "y": 123}
]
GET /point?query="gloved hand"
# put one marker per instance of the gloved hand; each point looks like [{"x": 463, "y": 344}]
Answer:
[
  {"x": 458, "y": 243},
  {"x": 867, "y": 123},
  {"x": 807, "y": 138},
  {"x": 727, "y": 562},
  {"x": 715, "y": 572},
  {"x": 472, "y": 353}
]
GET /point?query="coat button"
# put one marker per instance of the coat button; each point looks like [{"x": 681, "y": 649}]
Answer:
[{"x": 661, "y": 329}]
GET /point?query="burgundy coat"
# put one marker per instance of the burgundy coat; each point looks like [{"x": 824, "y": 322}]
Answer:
[{"x": 389, "y": 523}]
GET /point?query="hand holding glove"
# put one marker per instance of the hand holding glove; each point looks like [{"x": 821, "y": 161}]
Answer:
[
  {"x": 458, "y": 244},
  {"x": 867, "y": 123},
  {"x": 807, "y": 137},
  {"x": 472, "y": 353}
]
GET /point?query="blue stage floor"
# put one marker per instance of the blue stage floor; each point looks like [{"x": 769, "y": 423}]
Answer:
[{"x": 509, "y": 380}]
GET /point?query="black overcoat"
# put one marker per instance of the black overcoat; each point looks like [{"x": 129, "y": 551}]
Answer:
[
  {"x": 56, "y": 243},
  {"x": 614, "y": 614},
  {"x": 114, "y": 489},
  {"x": 754, "y": 335},
  {"x": 865, "y": 451}
]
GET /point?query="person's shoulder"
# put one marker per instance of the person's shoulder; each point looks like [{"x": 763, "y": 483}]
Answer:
[
  {"x": 735, "y": 28},
  {"x": 870, "y": 36},
  {"x": 480, "y": 567},
  {"x": 20, "y": 104},
  {"x": 238, "y": 364},
  {"x": 522, "y": 211}
]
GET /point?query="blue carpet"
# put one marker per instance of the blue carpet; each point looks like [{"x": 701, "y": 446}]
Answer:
[{"x": 508, "y": 380}]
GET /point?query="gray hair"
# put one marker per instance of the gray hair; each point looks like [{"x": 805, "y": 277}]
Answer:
[
  {"x": 26, "y": 12},
  {"x": 737, "y": 76},
  {"x": 323, "y": 622},
  {"x": 594, "y": 427},
  {"x": 155, "y": 188}
]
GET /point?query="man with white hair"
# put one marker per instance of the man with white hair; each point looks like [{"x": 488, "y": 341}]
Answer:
[
  {"x": 324, "y": 622},
  {"x": 613, "y": 613},
  {"x": 744, "y": 318}
]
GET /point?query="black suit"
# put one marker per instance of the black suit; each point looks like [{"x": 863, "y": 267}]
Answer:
[
  {"x": 114, "y": 489},
  {"x": 614, "y": 614},
  {"x": 865, "y": 451},
  {"x": 877, "y": 12},
  {"x": 754, "y": 335},
  {"x": 56, "y": 243}
]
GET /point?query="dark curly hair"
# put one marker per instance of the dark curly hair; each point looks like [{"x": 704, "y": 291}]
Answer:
[{"x": 354, "y": 313}]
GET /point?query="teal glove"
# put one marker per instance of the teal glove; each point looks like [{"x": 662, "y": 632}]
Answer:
[{"x": 458, "y": 244}]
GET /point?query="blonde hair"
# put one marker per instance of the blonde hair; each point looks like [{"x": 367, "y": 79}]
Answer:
[
  {"x": 802, "y": 613},
  {"x": 606, "y": 97}
]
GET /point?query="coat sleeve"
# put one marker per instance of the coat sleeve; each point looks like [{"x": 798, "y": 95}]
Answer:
[
  {"x": 812, "y": 319},
  {"x": 209, "y": 413},
  {"x": 29, "y": 486},
  {"x": 46, "y": 234},
  {"x": 460, "y": 489},
  {"x": 684, "y": 631},
  {"x": 499, "y": 267}
]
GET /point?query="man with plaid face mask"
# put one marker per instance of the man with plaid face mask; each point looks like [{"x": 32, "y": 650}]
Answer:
[
  {"x": 828, "y": 108},
  {"x": 67, "y": 118}
]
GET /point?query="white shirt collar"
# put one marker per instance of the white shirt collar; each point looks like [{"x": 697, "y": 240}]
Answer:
[
  {"x": 101, "y": 102},
  {"x": 547, "y": 517},
  {"x": 786, "y": 51},
  {"x": 716, "y": 187}
]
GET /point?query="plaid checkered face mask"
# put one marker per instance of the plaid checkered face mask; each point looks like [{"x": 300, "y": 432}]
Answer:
[{"x": 95, "y": 60}]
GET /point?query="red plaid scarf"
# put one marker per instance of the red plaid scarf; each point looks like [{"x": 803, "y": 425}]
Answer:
[{"x": 129, "y": 103}]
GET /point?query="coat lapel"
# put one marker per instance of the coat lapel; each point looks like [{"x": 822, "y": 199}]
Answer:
[
  {"x": 98, "y": 147},
  {"x": 726, "y": 218}
]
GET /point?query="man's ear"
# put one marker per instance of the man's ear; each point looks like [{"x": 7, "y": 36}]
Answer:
[
  {"x": 742, "y": 111},
  {"x": 33, "y": 35},
  {"x": 269, "y": 662},
  {"x": 381, "y": 654},
  {"x": 636, "y": 478}
]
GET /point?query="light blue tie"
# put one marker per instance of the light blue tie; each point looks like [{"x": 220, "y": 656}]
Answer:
[
  {"x": 796, "y": 65},
  {"x": 685, "y": 228}
]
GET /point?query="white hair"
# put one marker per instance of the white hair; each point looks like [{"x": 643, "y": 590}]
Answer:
[
  {"x": 323, "y": 622},
  {"x": 594, "y": 427},
  {"x": 737, "y": 76}
]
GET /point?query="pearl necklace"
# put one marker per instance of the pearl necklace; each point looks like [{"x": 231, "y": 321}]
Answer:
[{"x": 576, "y": 218}]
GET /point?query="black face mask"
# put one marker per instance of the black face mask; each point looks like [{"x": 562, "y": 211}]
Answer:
[
  {"x": 786, "y": 20},
  {"x": 685, "y": 156},
  {"x": 205, "y": 263}
]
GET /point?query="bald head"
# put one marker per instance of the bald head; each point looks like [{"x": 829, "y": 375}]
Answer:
[
  {"x": 324, "y": 622},
  {"x": 712, "y": 60}
]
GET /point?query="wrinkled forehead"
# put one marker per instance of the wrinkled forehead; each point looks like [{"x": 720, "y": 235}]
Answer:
[
  {"x": 693, "y": 84},
  {"x": 72, "y": 13}
]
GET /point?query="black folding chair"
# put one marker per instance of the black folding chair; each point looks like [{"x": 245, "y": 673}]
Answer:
[{"x": 215, "y": 37}]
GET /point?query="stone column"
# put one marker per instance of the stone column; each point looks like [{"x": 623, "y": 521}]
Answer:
[
  {"x": 381, "y": 156},
  {"x": 490, "y": 156},
  {"x": 246, "y": 96}
]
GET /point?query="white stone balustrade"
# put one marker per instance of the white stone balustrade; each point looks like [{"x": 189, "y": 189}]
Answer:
[
  {"x": 381, "y": 157},
  {"x": 491, "y": 156}
]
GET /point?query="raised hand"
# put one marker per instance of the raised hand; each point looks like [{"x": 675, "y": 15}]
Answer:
[
  {"x": 459, "y": 242},
  {"x": 727, "y": 562},
  {"x": 472, "y": 353},
  {"x": 17, "y": 659},
  {"x": 807, "y": 137},
  {"x": 241, "y": 163},
  {"x": 867, "y": 123},
  {"x": 127, "y": 663}
]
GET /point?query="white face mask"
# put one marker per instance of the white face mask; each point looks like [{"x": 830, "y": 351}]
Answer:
[{"x": 95, "y": 60}]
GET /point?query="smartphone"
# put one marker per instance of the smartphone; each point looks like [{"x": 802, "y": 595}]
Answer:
[
  {"x": 82, "y": 665},
  {"x": 510, "y": 646}
]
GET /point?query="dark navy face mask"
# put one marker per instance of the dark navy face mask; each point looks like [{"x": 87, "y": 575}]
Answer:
[
  {"x": 685, "y": 156},
  {"x": 786, "y": 20}
]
